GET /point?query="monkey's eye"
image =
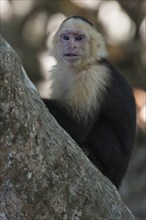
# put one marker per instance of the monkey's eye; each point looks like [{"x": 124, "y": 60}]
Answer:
[
  {"x": 65, "y": 37},
  {"x": 79, "y": 37}
]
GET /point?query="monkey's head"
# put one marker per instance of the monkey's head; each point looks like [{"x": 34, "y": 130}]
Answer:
[{"x": 77, "y": 42}]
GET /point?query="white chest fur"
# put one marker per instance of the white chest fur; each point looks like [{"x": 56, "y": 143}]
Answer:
[{"x": 81, "y": 91}]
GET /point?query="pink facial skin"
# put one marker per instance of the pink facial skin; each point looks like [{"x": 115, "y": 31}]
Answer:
[{"x": 72, "y": 44}]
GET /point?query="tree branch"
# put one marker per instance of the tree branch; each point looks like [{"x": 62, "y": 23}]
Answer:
[{"x": 44, "y": 174}]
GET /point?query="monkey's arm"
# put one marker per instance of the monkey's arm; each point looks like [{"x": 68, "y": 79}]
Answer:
[
  {"x": 109, "y": 155},
  {"x": 113, "y": 135},
  {"x": 78, "y": 131}
]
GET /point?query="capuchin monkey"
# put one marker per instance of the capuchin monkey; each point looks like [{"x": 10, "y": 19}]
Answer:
[{"x": 90, "y": 98}]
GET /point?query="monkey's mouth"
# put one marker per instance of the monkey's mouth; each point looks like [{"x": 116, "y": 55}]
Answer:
[{"x": 71, "y": 57}]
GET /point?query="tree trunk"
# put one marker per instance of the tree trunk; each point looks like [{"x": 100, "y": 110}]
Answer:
[{"x": 44, "y": 173}]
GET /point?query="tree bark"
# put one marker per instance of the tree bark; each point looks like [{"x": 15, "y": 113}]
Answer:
[{"x": 44, "y": 173}]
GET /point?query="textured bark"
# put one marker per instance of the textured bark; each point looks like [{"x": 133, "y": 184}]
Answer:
[{"x": 44, "y": 174}]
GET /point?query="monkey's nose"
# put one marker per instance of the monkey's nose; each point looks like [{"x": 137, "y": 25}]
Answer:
[{"x": 72, "y": 43}]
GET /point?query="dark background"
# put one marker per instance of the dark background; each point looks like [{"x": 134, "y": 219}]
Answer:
[{"x": 28, "y": 25}]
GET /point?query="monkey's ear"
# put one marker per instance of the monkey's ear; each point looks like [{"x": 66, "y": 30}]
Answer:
[
  {"x": 54, "y": 47},
  {"x": 51, "y": 44},
  {"x": 101, "y": 50}
]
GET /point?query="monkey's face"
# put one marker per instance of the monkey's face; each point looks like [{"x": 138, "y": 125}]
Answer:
[
  {"x": 73, "y": 45},
  {"x": 77, "y": 43}
]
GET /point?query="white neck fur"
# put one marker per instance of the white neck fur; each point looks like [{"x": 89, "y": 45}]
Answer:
[{"x": 82, "y": 91}]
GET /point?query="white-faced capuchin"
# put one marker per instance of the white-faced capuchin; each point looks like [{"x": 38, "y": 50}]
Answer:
[{"x": 90, "y": 98}]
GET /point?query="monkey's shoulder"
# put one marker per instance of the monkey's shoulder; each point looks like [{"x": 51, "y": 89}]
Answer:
[
  {"x": 119, "y": 103},
  {"x": 118, "y": 85}
]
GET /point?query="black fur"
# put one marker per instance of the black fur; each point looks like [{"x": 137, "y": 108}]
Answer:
[{"x": 110, "y": 135}]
